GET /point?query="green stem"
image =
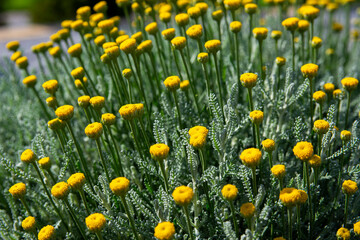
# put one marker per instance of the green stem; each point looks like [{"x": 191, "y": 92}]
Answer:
[
  {"x": 320, "y": 110},
  {"x": 202, "y": 160},
  {"x": 289, "y": 222},
  {"x": 186, "y": 211},
  {"x": 98, "y": 145},
  {"x": 303, "y": 47},
  {"x": 160, "y": 55},
  {"x": 311, "y": 103},
  {"x": 162, "y": 168},
  {"x": 23, "y": 201},
  {"x": 346, "y": 208},
  {"x": 270, "y": 159},
  {"x": 257, "y": 128},
  {"x": 262, "y": 72},
  {"x": 234, "y": 218},
  {"x": 237, "y": 56},
  {"x": 99, "y": 236},
  {"x": 309, "y": 195},
  {"x": 73, "y": 216},
  {"x": 250, "y": 99},
  {"x": 338, "y": 112},
  {"x": 83, "y": 198},
  {"x": 116, "y": 151},
  {"x": 131, "y": 220},
  {"x": 207, "y": 79},
  {"x": 298, "y": 220},
  {"x": 218, "y": 78},
  {"x": 177, "y": 108},
  {"x": 253, "y": 172},
  {"x": 249, "y": 38},
  {"x": 347, "y": 110},
  {"x": 41, "y": 103},
  {"x": 132, "y": 127},
  {"x": 293, "y": 49},
  {"x": 319, "y": 143}
]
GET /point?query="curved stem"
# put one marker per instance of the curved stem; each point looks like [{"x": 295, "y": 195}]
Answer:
[
  {"x": 186, "y": 211},
  {"x": 234, "y": 218},
  {"x": 309, "y": 195},
  {"x": 131, "y": 220},
  {"x": 162, "y": 168},
  {"x": 98, "y": 145},
  {"x": 289, "y": 222},
  {"x": 73, "y": 216},
  {"x": 347, "y": 110},
  {"x": 253, "y": 172},
  {"x": 83, "y": 198},
  {"x": 41, "y": 103},
  {"x": 218, "y": 78},
  {"x": 177, "y": 108},
  {"x": 23, "y": 201},
  {"x": 116, "y": 151}
]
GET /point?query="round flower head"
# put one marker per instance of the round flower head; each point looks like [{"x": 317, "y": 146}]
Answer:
[
  {"x": 316, "y": 42},
  {"x": 22, "y": 62},
  {"x": 97, "y": 102},
  {"x": 152, "y": 28},
  {"x": 229, "y": 192},
  {"x": 183, "y": 195},
  {"x": 55, "y": 52},
  {"x": 128, "y": 46},
  {"x": 321, "y": 126},
  {"x": 268, "y": 145},
  {"x": 108, "y": 119},
  {"x": 357, "y": 228},
  {"x": 250, "y": 8},
  {"x": 112, "y": 52},
  {"x": 60, "y": 190},
  {"x": 349, "y": 83},
  {"x": 203, "y": 57},
  {"x": 349, "y": 187},
  {"x": 309, "y": 12},
  {"x": 55, "y": 124},
  {"x": 29, "y": 224},
  {"x": 194, "y": 12},
  {"x": 13, "y": 45},
  {"x": 256, "y": 116},
  {"x": 315, "y": 161},
  {"x": 164, "y": 231},
  {"x": 52, "y": 102},
  {"x": 202, "y": 6},
  {"x": 178, "y": 43},
  {"x": 128, "y": 111},
  {"x": 319, "y": 97},
  {"x": 18, "y": 190},
  {"x": 280, "y": 61},
  {"x": 65, "y": 112},
  {"x": 145, "y": 46},
  {"x": 94, "y": 130},
  {"x": 195, "y": 31},
  {"x": 212, "y": 46},
  {"x": 198, "y": 130},
  {"x": 198, "y": 140},
  {"x": 290, "y": 196},
  {"x": 100, "y": 40},
  {"x": 278, "y": 171},
  {"x": 138, "y": 37},
  {"x": 64, "y": 33},
  {"x": 50, "y": 86},
  {"x": 121, "y": 39},
  {"x": 309, "y": 70},
  {"x": 84, "y": 101},
  {"x": 45, "y": 163},
  {"x": 15, "y": 56},
  {"x": 338, "y": 94},
  {"x": 290, "y": 24},
  {"x": 165, "y": 17},
  {"x": 172, "y": 83},
  {"x": 251, "y": 157},
  {"x": 106, "y": 25},
  {"x": 95, "y": 222},
  {"x": 84, "y": 12},
  {"x": 101, "y": 7},
  {"x": 303, "y": 197},
  {"x": 247, "y": 210},
  {"x": 248, "y": 80},
  {"x": 159, "y": 151},
  {"x": 260, "y": 33},
  {"x": 218, "y": 15},
  {"x": 184, "y": 85},
  {"x": 235, "y": 26},
  {"x": 127, "y": 73},
  {"x": 343, "y": 233},
  {"x": 232, "y": 5},
  {"x": 30, "y": 81},
  {"x": 329, "y": 88},
  {"x": 46, "y": 233},
  {"x": 139, "y": 110},
  {"x": 182, "y": 19},
  {"x": 345, "y": 135},
  {"x": 275, "y": 34},
  {"x": 168, "y": 34},
  {"x": 122, "y": 3},
  {"x": 120, "y": 186},
  {"x": 76, "y": 181},
  {"x": 28, "y": 156},
  {"x": 303, "y": 150},
  {"x": 75, "y": 50}
]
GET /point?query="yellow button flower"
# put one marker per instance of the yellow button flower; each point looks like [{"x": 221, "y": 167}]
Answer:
[
  {"x": 303, "y": 25},
  {"x": 212, "y": 46},
  {"x": 316, "y": 42},
  {"x": 329, "y": 88},
  {"x": 319, "y": 97},
  {"x": 232, "y": 5},
  {"x": 60, "y": 190},
  {"x": 349, "y": 187},
  {"x": 309, "y": 70},
  {"x": 315, "y": 161},
  {"x": 183, "y": 195},
  {"x": 165, "y": 17},
  {"x": 152, "y": 28},
  {"x": 13, "y": 45},
  {"x": 22, "y": 62},
  {"x": 18, "y": 190},
  {"x": 76, "y": 181},
  {"x": 50, "y": 86},
  {"x": 78, "y": 73},
  {"x": 15, "y": 56},
  {"x": 345, "y": 135},
  {"x": 101, "y": 7},
  {"x": 278, "y": 171},
  {"x": 28, "y": 156},
  {"x": 182, "y": 19},
  {"x": 106, "y": 25},
  {"x": 172, "y": 83},
  {"x": 268, "y": 145},
  {"x": 55, "y": 124},
  {"x": 321, "y": 126},
  {"x": 108, "y": 119},
  {"x": 198, "y": 130},
  {"x": 45, "y": 163},
  {"x": 218, "y": 14},
  {"x": 65, "y": 112},
  {"x": 290, "y": 196},
  {"x": 303, "y": 197},
  {"x": 338, "y": 94},
  {"x": 121, "y": 39},
  {"x": 128, "y": 46},
  {"x": 303, "y": 150},
  {"x": 203, "y": 57},
  {"x": 29, "y": 224},
  {"x": 275, "y": 34},
  {"x": 251, "y": 157},
  {"x": 357, "y": 228},
  {"x": 194, "y": 12},
  {"x": 248, "y": 80},
  {"x": 159, "y": 151},
  {"x": 349, "y": 83},
  {"x": 290, "y": 24},
  {"x": 235, "y": 26},
  {"x": 95, "y": 222},
  {"x": 128, "y": 111},
  {"x": 138, "y": 37},
  {"x": 229, "y": 192},
  {"x": 46, "y": 233},
  {"x": 256, "y": 116},
  {"x": 97, "y": 102},
  {"x": 195, "y": 31},
  {"x": 164, "y": 231},
  {"x": 198, "y": 140},
  {"x": 178, "y": 43},
  {"x": 247, "y": 210},
  {"x": 120, "y": 186},
  {"x": 168, "y": 34},
  {"x": 250, "y": 8},
  {"x": 30, "y": 81},
  {"x": 309, "y": 12},
  {"x": 84, "y": 101},
  {"x": 75, "y": 50},
  {"x": 280, "y": 61},
  {"x": 343, "y": 233},
  {"x": 260, "y": 33},
  {"x": 184, "y": 85},
  {"x": 94, "y": 130}
]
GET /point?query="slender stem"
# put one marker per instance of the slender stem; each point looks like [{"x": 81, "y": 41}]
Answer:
[
  {"x": 257, "y": 128},
  {"x": 320, "y": 110},
  {"x": 276, "y": 48},
  {"x": 253, "y": 172},
  {"x": 132, "y": 127},
  {"x": 99, "y": 236},
  {"x": 162, "y": 168},
  {"x": 293, "y": 49},
  {"x": 234, "y": 218},
  {"x": 116, "y": 151},
  {"x": 142, "y": 127},
  {"x": 261, "y": 60},
  {"x": 83, "y": 198},
  {"x": 289, "y": 222},
  {"x": 177, "y": 108},
  {"x": 303, "y": 47},
  {"x": 347, "y": 110},
  {"x": 270, "y": 159},
  {"x": 41, "y": 103},
  {"x": 249, "y": 38},
  {"x": 311, "y": 103},
  {"x": 237, "y": 56},
  {"x": 186, "y": 211},
  {"x": 218, "y": 78},
  {"x": 160, "y": 54},
  {"x": 202, "y": 160},
  {"x": 339, "y": 180},
  {"x": 98, "y": 145},
  {"x": 338, "y": 112},
  {"x": 207, "y": 79},
  {"x": 250, "y": 99},
  {"x": 73, "y": 216},
  {"x": 23, "y": 201},
  {"x": 309, "y": 195},
  {"x": 346, "y": 208},
  {"x": 298, "y": 220},
  {"x": 51, "y": 176},
  {"x": 131, "y": 220},
  {"x": 320, "y": 136}
]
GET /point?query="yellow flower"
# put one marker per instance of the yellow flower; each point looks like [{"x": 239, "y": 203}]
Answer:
[
  {"x": 343, "y": 233},
  {"x": 55, "y": 124},
  {"x": 165, "y": 17},
  {"x": 250, "y": 8},
  {"x": 101, "y": 7},
  {"x": 184, "y": 85},
  {"x": 345, "y": 135},
  {"x": 55, "y": 52},
  {"x": 65, "y": 112},
  {"x": 303, "y": 197},
  {"x": 290, "y": 196},
  {"x": 329, "y": 88},
  {"x": 194, "y": 12},
  {"x": 321, "y": 126},
  {"x": 198, "y": 140},
  {"x": 112, "y": 52},
  {"x": 260, "y": 33},
  {"x": 315, "y": 161},
  {"x": 106, "y": 25},
  {"x": 217, "y": 15},
  {"x": 13, "y": 45},
  {"x": 198, "y": 130},
  {"x": 182, "y": 19},
  {"x": 108, "y": 119},
  {"x": 60, "y": 190},
  {"x": 46, "y": 233},
  {"x": 94, "y": 130},
  {"x": 64, "y": 33},
  {"x": 28, "y": 156},
  {"x": 18, "y": 190},
  {"x": 235, "y": 26},
  {"x": 268, "y": 145},
  {"x": 203, "y": 7},
  {"x": 251, "y": 157},
  {"x": 100, "y": 40},
  {"x": 247, "y": 210},
  {"x": 338, "y": 94},
  {"x": 45, "y": 163},
  {"x": 121, "y": 39},
  {"x": 139, "y": 109},
  {"x": 309, "y": 12},
  {"x": 303, "y": 150},
  {"x": 331, "y": 7},
  {"x": 122, "y": 3},
  {"x": 128, "y": 111},
  {"x": 203, "y": 57},
  {"x": 248, "y": 80},
  {"x": 29, "y": 224},
  {"x": 256, "y": 116},
  {"x": 15, "y": 56},
  {"x": 22, "y": 62},
  {"x": 195, "y": 31},
  {"x": 182, "y": 4},
  {"x": 349, "y": 83},
  {"x": 357, "y": 228},
  {"x": 127, "y": 73},
  {"x": 128, "y": 46},
  {"x": 229, "y": 192},
  {"x": 275, "y": 34},
  {"x": 78, "y": 73},
  {"x": 97, "y": 102},
  {"x": 349, "y": 187},
  {"x": 50, "y": 86},
  {"x": 183, "y": 195},
  {"x": 212, "y": 46},
  {"x": 337, "y": 27},
  {"x": 76, "y": 181},
  {"x": 30, "y": 81},
  {"x": 168, "y": 34},
  {"x": 290, "y": 24},
  {"x": 164, "y": 231},
  {"x": 95, "y": 222},
  {"x": 178, "y": 43},
  {"x": 84, "y": 101},
  {"x": 278, "y": 171},
  {"x": 75, "y": 50},
  {"x": 280, "y": 61},
  {"x": 316, "y": 42},
  {"x": 138, "y": 37},
  {"x": 152, "y": 28},
  {"x": 232, "y": 5},
  {"x": 303, "y": 25},
  {"x": 159, "y": 151},
  {"x": 279, "y": 238},
  {"x": 172, "y": 83},
  {"x": 120, "y": 186},
  {"x": 309, "y": 70},
  {"x": 84, "y": 12}
]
